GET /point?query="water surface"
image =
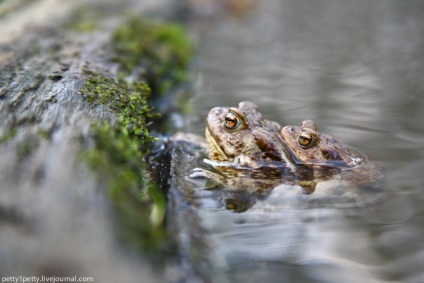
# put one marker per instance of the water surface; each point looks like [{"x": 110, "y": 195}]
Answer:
[{"x": 355, "y": 68}]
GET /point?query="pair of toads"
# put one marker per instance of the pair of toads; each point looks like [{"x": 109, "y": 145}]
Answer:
[
  {"x": 249, "y": 153},
  {"x": 241, "y": 135},
  {"x": 245, "y": 149}
]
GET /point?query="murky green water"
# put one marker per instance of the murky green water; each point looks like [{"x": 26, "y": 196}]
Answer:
[{"x": 355, "y": 68}]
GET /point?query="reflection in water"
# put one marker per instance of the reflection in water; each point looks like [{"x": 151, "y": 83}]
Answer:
[
  {"x": 355, "y": 68},
  {"x": 256, "y": 217}
]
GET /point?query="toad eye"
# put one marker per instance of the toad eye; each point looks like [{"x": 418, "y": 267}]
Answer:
[
  {"x": 231, "y": 120},
  {"x": 306, "y": 139}
]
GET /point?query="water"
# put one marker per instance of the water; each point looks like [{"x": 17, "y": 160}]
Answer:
[{"x": 355, "y": 68}]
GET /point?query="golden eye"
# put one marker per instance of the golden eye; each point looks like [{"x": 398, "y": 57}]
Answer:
[
  {"x": 231, "y": 120},
  {"x": 306, "y": 139}
]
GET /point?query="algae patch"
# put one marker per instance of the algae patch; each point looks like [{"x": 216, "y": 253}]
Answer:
[{"x": 118, "y": 158}]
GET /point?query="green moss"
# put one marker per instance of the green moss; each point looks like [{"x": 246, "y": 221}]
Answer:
[
  {"x": 26, "y": 147},
  {"x": 163, "y": 51},
  {"x": 158, "y": 56},
  {"x": 84, "y": 26},
  {"x": 127, "y": 100},
  {"x": 8, "y": 136},
  {"x": 84, "y": 19},
  {"x": 117, "y": 158},
  {"x": 138, "y": 202},
  {"x": 44, "y": 134}
]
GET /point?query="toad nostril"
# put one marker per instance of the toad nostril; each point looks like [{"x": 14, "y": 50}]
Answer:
[{"x": 291, "y": 129}]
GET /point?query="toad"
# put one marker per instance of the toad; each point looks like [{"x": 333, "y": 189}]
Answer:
[
  {"x": 311, "y": 148},
  {"x": 241, "y": 135}
]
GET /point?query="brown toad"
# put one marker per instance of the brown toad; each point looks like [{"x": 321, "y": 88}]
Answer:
[
  {"x": 313, "y": 149},
  {"x": 310, "y": 147},
  {"x": 241, "y": 135}
]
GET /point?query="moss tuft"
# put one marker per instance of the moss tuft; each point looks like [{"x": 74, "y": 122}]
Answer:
[
  {"x": 84, "y": 19},
  {"x": 8, "y": 136},
  {"x": 118, "y": 159},
  {"x": 127, "y": 100},
  {"x": 136, "y": 199},
  {"x": 84, "y": 26},
  {"x": 162, "y": 51},
  {"x": 157, "y": 57},
  {"x": 44, "y": 134}
]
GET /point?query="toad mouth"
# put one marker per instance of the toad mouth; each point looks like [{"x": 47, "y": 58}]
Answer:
[{"x": 213, "y": 145}]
